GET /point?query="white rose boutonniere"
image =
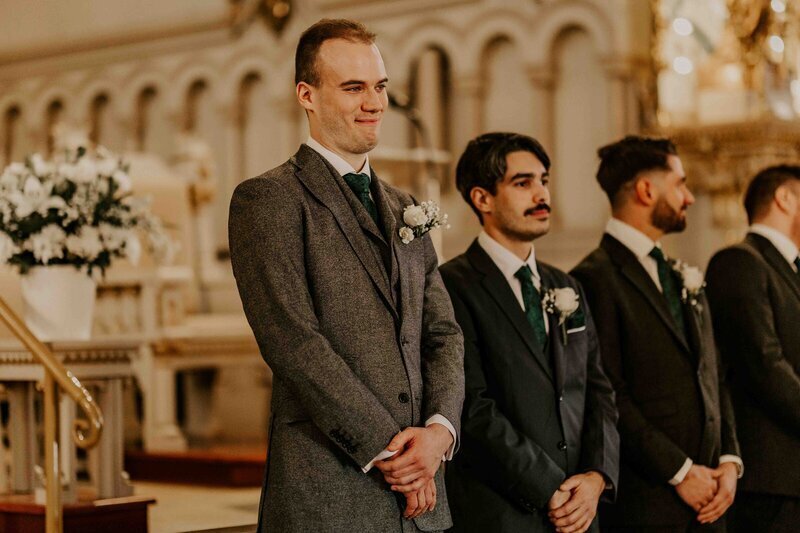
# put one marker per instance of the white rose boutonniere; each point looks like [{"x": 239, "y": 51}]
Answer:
[
  {"x": 562, "y": 302},
  {"x": 420, "y": 219},
  {"x": 692, "y": 282}
]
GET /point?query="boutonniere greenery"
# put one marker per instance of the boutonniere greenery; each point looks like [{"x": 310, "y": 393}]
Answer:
[
  {"x": 692, "y": 283},
  {"x": 420, "y": 219},
  {"x": 563, "y": 302}
]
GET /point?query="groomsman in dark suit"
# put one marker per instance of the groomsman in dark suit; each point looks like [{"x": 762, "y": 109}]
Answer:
[
  {"x": 754, "y": 291},
  {"x": 679, "y": 459},
  {"x": 539, "y": 442}
]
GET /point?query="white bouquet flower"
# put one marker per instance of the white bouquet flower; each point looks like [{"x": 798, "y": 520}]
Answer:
[{"x": 74, "y": 210}]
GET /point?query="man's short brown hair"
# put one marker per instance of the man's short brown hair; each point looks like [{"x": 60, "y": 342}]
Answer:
[
  {"x": 305, "y": 58},
  {"x": 761, "y": 191}
]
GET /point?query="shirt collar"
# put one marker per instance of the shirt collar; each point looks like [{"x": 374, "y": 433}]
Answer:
[
  {"x": 506, "y": 261},
  {"x": 784, "y": 244},
  {"x": 637, "y": 242},
  {"x": 341, "y": 166}
]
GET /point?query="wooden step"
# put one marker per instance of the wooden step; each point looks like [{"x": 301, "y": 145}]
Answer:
[
  {"x": 20, "y": 514},
  {"x": 219, "y": 466}
]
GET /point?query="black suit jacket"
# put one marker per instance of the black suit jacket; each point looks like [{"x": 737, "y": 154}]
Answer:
[
  {"x": 755, "y": 299},
  {"x": 531, "y": 418},
  {"x": 671, "y": 402}
]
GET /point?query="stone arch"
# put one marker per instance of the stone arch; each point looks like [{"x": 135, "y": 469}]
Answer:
[
  {"x": 560, "y": 17},
  {"x": 242, "y": 66},
  {"x": 188, "y": 74},
  {"x": 501, "y": 24},
  {"x": 432, "y": 34}
]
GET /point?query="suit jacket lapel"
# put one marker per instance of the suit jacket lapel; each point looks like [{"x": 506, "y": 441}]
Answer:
[
  {"x": 322, "y": 183},
  {"x": 774, "y": 258},
  {"x": 555, "y": 342},
  {"x": 694, "y": 326},
  {"x": 633, "y": 270},
  {"x": 496, "y": 285}
]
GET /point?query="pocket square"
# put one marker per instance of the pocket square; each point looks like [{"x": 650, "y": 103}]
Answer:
[
  {"x": 576, "y": 321},
  {"x": 576, "y": 330}
]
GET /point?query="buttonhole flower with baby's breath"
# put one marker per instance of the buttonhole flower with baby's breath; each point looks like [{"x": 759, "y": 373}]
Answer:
[{"x": 420, "y": 219}]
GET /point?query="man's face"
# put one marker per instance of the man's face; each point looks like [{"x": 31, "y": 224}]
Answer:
[
  {"x": 520, "y": 208},
  {"x": 346, "y": 108},
  {"x": 674, "y": 198}
]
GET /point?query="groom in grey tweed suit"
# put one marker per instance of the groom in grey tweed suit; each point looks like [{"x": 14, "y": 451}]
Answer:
[{"x": 356, "y": 326}]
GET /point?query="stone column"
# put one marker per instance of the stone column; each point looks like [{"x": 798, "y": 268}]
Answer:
[
  {"x": 107, "y": 459},
  {"x": 466, "y": 120},
  {"x": 621, "y": 107},
  {"x": 22, "y": 436},
  {"x": 543, "y": 81}
]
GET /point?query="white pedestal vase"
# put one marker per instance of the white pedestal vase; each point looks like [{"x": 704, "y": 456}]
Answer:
[{"x": 59, "y": 302}]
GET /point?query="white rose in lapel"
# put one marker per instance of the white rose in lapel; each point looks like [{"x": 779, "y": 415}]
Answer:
[
  {"x": 692, "y": 282},
  {"x": 692, "y": 278},
  {"x": 414, "y": 215},
  {"x": 406, "y": 234},
  {"x": 421, "y": 219},
  {"x": 563, "y": 302},
  {"x": 566, "y": 302}
]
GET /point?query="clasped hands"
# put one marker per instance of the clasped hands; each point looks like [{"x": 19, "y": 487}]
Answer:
[
  {"x": 709, "y": 491},
  {"x": 573, "y": 506},
  {"x": 411, "y": 469}
]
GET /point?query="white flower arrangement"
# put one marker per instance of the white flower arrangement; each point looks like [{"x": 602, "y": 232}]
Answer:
[
  {"x": 420, "y": 219},
  {"x": 692, "y": 282},
  {"x": 74, "y": 210},
  {"x": 562, "y": 302}
]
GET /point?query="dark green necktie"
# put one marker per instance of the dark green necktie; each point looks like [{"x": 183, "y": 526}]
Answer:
[
  {"x": 359, "y": 184},
  {"x": 533, "y": 304},
  {"x": 669, "y": 287}
]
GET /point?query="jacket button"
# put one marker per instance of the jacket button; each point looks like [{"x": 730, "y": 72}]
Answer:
[
  {"x": 403, "y": 397},
  {"x": 404, "y": 340},
  {"x": 562, "y": 445},
  {"x": 561, "y": 398}
]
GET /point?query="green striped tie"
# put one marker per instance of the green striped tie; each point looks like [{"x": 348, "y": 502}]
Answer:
[{"x": 533, "y": 304}]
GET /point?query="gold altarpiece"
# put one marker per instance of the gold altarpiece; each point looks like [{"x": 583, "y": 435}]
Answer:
[{"x": 726, "y": 76}]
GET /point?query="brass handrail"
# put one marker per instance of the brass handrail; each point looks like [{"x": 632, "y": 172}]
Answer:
[{"x": 86, "y": 433}]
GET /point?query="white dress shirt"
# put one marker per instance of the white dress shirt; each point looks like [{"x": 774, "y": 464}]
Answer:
[
  {"x": 343, "y": 167},
  {"x": 509, "y": 264},
  {"x": 641, "y": 245},
  {"x": 787, "y": 248}
]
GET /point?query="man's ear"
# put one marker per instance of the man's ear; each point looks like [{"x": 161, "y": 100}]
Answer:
[
  {"x": 305, "y": 95},
  {"x": 482, "y": 199},
  {"x": 644, "y": 190},
  {"x": 785, "y": 197}
]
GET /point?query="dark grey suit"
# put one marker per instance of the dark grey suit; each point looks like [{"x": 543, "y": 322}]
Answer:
[
  {"x": 532, "y": 417},
  {"x": 672, "y": 404},
  {"x": 755, "y": 300},
  {"x": 359, "y": 332}
]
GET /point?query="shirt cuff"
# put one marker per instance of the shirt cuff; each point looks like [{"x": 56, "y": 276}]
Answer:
[
  {"x": 735, "y": 459},
  {"x": 385, "y": 454},
  {"x": 439, "y": 419},
  {"x": 681, "y": 474}
]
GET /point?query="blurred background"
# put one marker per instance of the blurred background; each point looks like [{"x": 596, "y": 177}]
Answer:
[{"x": 197, "y": 95}]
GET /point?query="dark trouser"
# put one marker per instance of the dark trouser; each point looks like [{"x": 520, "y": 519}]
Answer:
[
  {"x": 765, "y": 512},
  {"x": 694, "y": 527}
]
